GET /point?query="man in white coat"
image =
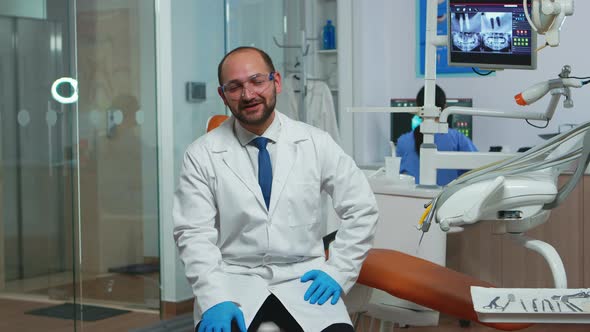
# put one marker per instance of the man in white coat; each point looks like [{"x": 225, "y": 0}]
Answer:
[{"x": 247, "y": 214}]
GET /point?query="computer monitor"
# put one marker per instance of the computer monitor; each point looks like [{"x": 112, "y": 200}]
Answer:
[
  {"x": 402, "y": 123},
  {"x": 490, "y": 34}
]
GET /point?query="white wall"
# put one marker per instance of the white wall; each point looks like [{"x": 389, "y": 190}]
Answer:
[
  {"x": 375, "y": 72},
  {"x": 197, "y": 47},
  {"x": 197, "y": 43},
  {"x": 384, "y": 67}
]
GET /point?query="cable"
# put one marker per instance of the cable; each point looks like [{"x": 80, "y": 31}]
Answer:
[
  {"x": 577, "y": 77},
  {"x": 480, "y": 73},
  {"x": 585, "y": 82},
  {"x": 540, "y": 127},
  {"x": 542, "y": 47}
]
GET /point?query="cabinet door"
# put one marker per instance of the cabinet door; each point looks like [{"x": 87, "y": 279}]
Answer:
[
  {"x": 476, "y": 252},
  {"x": 564, "y": 230}
]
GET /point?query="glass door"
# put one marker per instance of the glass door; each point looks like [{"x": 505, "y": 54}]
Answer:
[
  {"x": 116, "y": 66},
  {"x": 38, "y": 164},
  {"x": 78, "y": 165}
]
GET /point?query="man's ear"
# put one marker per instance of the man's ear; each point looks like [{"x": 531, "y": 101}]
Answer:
[
  {"x": 222, "y": 95},
  {"x": 278, "y": 82}
]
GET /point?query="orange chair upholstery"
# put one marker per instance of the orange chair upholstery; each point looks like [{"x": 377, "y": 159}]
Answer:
[
  {"x": 425, "y": 283},
  {"x": 215, "y": 121}
]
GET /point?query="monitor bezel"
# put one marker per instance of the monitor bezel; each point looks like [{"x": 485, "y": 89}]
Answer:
[{"x": 482, "y": 65}]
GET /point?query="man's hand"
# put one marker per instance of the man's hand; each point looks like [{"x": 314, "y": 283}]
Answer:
[
  {"x": 322, "y": 288},
  {"x": 219, "y": 317}
]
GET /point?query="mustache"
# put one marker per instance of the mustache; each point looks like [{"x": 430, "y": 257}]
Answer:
[{"x": 251, "y": 102}]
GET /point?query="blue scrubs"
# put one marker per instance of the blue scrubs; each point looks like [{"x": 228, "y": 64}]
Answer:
[{"x": 410, "y": 163}]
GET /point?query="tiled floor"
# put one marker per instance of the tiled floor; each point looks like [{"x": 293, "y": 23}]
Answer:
[
  {"x": 13, "y": 318},
  {"x": 139, "y": 291}
]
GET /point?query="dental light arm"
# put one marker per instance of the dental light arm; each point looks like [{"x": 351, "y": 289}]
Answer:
[{"x": 556, "y": 87}]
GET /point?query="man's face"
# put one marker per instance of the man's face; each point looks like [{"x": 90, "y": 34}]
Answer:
[{"x": 252, "y": 106}]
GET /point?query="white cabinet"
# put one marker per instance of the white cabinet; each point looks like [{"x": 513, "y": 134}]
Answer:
[
  {"x": 326, "y": 59},
  {"x": 400, "y": 208},
  {"x": 333, "y": 66}
]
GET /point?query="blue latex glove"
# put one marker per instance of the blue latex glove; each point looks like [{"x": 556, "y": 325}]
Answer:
[
  {"x": 219, "y": 317},
  {"x": 322, "y": 288}
]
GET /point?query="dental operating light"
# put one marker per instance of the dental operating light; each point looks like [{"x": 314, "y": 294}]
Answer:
[{"x": 547, "y": 16}]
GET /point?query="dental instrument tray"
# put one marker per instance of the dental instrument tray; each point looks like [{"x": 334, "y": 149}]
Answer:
[{"x": 532, "y": 305}]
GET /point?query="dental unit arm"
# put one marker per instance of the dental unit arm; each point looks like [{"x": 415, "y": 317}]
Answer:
[
  {"x": 516, "y": 194},
  {"x": 555, "y": 87},
  {"x": 431, "y": 159}
]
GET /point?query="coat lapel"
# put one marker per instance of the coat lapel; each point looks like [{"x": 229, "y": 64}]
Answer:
[
  {"x": 236, "y": 159},
  {"x": 286, "y": 157}
]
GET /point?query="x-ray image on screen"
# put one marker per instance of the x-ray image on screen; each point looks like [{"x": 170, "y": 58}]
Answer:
[
  {"x": 491, "y": 34},
  {"x": 496, "y": 31},
  {"x": 466, "y": 29}
]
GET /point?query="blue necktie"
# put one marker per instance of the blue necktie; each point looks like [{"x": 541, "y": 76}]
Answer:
[{"x": 264, "y": 168}]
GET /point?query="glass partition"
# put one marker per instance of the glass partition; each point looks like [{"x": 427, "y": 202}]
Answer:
[
  {"x": 79, "y": 232},
  {"x": 255, "y": 23},
  {"x": 37, "y": 163},
  {"x": 118, "y": 152},
  {"x": 78, "y": 181}
]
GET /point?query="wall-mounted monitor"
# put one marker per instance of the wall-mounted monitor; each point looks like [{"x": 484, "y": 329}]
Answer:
[
  {"x": 402, "y": 123},
  {"x": 490, "y": 34}
]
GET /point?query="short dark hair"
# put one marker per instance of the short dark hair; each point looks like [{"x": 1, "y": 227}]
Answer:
[
  {"x": 440, "y": 98},
  {"x": 265, "y": 57}
]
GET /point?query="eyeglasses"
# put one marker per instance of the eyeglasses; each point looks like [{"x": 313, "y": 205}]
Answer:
[{"x": 256, "y": 84}]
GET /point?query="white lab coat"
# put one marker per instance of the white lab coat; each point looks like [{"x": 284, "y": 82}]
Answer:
[
  {"x": 235, "y": 250},
  {"x": 319, "y": 105},
  {"x": 287, "y": 100},
  {"x": 319, "y": 108}
]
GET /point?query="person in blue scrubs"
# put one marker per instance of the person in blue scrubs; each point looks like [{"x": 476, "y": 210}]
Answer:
[{"x": 408, "y": 145}]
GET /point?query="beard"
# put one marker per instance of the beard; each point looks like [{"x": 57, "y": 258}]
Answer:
[{"x": 268, "y": 106}]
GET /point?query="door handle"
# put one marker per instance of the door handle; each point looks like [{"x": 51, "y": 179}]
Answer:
[{"x": 61, "y": 99}]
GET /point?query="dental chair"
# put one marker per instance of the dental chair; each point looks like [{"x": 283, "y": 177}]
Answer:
[
  {"x": 215, "y": 121},
  {"x": 419, "y": 281},
  {"x": 425, "y": 283}
]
